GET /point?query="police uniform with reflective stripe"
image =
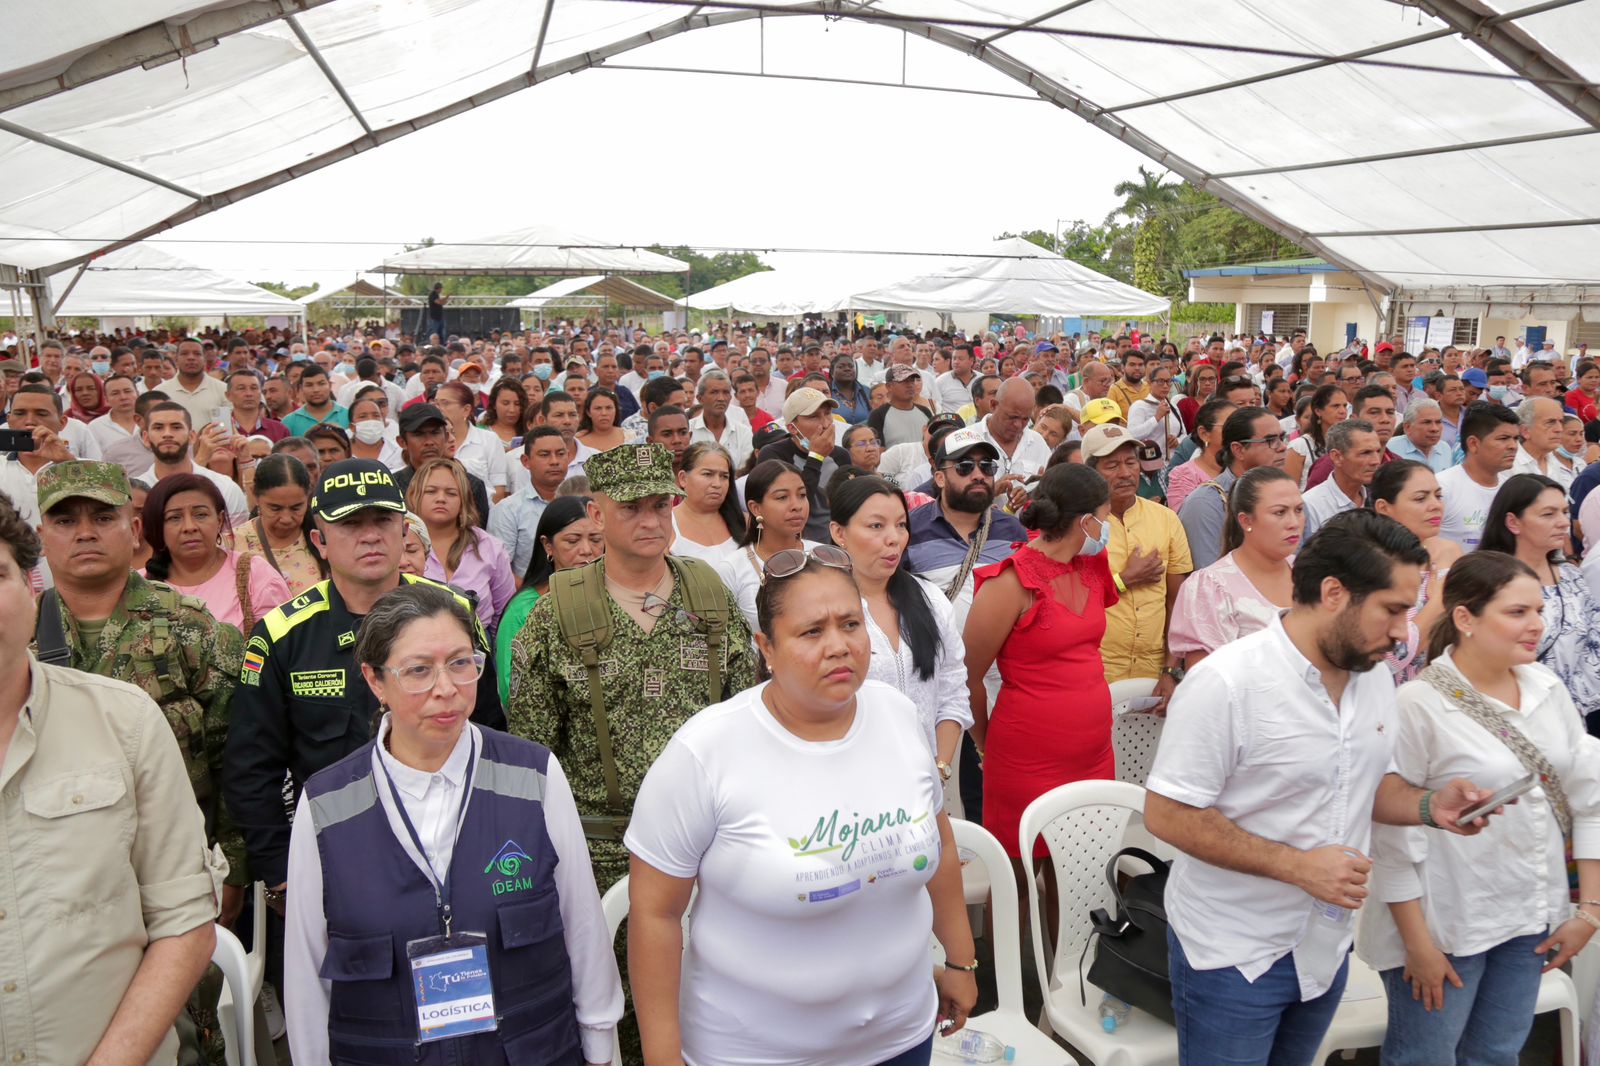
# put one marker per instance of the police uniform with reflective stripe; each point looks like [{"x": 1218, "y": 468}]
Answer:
[{"x": 300, "y": 706}]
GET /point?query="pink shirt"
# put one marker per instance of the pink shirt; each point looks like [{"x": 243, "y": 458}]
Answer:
[
  {"x": 1217, "y": 605},
  {"x": 1184, "y": 479},
  {"x": 485, "y": 571},
  {"x": 267, "y": 589}
]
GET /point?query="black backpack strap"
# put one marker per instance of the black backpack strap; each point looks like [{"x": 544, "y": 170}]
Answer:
[{"x": 51, "y": 635}]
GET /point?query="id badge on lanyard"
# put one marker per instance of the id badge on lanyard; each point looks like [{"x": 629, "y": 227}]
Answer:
[{"x": 450, "y": 977}]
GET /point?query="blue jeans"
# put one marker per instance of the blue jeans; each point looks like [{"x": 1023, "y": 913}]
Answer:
[
  {"x": 920, "y": 1055},
  {"x": 1484, "y": 1023},
  {"x": 1224, "y": 1019}
]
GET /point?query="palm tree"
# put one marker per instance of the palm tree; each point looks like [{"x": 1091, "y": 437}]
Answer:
[{"x": 1147, "y": 197}]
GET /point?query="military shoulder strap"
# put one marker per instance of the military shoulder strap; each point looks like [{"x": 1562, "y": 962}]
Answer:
[
  {"x": 585, "y": 621},
  {"x": 707, "y": 599},
  {"x": 51, "y": 635},
  {"x": 163, "y": 645}
]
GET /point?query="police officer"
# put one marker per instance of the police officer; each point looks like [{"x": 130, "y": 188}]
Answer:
[
  {"x": 667, "y": 641},
  {"x": 300, "y": 704},
  {"x": 103, "y": 618}
]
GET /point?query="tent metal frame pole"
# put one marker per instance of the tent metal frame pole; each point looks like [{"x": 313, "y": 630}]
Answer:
[
  {"x": 327, "y": 72},
  {"x": 1427, "y": 231},
  {"x": 96, "y": 158},
  {"x": 70, "y": 286},
  {"x": 1410, "y": 153},
  {"x": 822, "y": 80}
]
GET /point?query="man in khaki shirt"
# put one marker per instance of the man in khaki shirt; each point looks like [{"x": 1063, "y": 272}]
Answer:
[{"x": 107, "y": 890}]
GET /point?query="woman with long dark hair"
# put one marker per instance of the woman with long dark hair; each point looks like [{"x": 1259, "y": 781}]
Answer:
[
  {"x": 505, "y": 413},
  {"x": 1205, "y": 462},
  {"x": 1530, "y": 520},
  {"x": 281, "y": 530},
  {"x": 1408, "y": 492},
  {"x": 915, "y": 645},
  {"x": 776, "y": 511},
  {"x": 185, "y": 522},
  {"x": 566, "y": 537},
  {"x": 600, "y": 427},
  {"x": 708, "y": 522},
  {"x": 1329, "y": 406}
]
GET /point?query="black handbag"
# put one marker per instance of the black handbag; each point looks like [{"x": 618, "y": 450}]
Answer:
[{"x": 1131, "y": 959}]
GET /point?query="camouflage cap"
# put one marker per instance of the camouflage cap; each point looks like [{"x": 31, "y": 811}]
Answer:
[
  {"x": 105, "y": 482},
  {"x": 632, "y": 471}
]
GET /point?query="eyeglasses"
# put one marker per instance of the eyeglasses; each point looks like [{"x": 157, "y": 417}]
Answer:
[
  {"x": 418, "y": 678},
  {"x": 1271, "y": 440},
  {"x": 965, "y": 467},
  {"x": 791, "y": 561}
]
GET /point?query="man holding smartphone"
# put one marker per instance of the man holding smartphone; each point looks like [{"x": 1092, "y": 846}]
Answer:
[{"x": 1272, "y": 769}]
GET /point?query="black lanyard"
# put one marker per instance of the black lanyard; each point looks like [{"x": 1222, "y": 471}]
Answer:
[{"x": 441, "y": 889}]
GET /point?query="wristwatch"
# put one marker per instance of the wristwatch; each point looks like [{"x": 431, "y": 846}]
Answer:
[
  {"x": 944, "y": 769},
  {"x": 1174, "y": 672},
  {"x": 274, "y": 895}
]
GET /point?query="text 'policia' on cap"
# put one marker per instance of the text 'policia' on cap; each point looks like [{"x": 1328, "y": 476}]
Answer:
[{"x": 353, "y": 484}]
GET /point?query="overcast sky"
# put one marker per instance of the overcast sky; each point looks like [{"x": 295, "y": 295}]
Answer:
[{"x": 644, "y": 157}]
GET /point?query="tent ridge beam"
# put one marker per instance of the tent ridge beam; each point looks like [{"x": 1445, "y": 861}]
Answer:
[
  {"x": 327, "y": 72},
  {"x": 1493, "y": 227},
  {"x": 1513, "y": 46},
  {"x": 95, "y": 157},
  {"x": 1347, "y": 57},
  {"x": 1409, "y": 153},
  {"x": 152, "y": 45},
  {"x": 996, "y": 58},
  {"x": 817, "y": 78}
]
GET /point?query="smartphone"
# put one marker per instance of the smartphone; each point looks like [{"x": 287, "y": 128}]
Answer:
[
  {"x": 1143, "y": 704},
  {"x": 1517, "y": 788},
  {"x": 223, "y": 419},
  {"x": 16, "y": 440}
]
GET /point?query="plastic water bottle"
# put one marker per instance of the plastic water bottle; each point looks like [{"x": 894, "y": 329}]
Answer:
[
  {"x": 1113, "y": 1013},
  {"x": 973, "y": 1045}
]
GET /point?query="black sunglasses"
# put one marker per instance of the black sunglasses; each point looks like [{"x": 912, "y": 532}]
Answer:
[{"x": 965, "y": 467}]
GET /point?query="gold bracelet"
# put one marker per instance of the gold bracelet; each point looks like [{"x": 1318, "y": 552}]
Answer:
[{"x": 1594, "y": 923}]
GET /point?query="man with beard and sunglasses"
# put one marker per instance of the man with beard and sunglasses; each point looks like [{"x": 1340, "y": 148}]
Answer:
[
  {"x": 958, "y": 532},
  {"x": 1273, "y": 767}
]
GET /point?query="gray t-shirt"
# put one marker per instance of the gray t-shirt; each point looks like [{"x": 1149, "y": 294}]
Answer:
[
  {"x": 1203, "y": 514},
  {"x": 903, "y": 427}
]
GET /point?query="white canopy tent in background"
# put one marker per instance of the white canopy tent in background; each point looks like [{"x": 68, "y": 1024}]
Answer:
[
  {"x": 140, "y": 281},
  {"x": 1016, "y": 276},
  {"x": 1444, "y": 149},
  {"x": 532, "y": 250},
  {"x": 360, "y": 290},
  {"x": 601, "y": 287}
]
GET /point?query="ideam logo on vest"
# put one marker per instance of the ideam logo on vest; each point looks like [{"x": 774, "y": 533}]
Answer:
[{"x": 507, "y": 864}]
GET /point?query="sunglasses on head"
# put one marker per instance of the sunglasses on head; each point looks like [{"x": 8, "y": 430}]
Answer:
[
  {"x": 965, "y": 467},
  {"x": 791, "y": 561}
]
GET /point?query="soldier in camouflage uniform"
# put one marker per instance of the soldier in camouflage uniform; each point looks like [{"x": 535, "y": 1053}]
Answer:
[
  {"x": 655, "y": 670},
  {"x": 120, "y": 625}
]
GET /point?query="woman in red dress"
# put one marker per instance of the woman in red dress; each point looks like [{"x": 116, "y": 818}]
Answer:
[{"x": 1042, "y": 613}]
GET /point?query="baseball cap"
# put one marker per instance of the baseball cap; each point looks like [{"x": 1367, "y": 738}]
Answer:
[
  {"x": 353, "y": 484},
  {"x": 11, "y": 366},
  {"x": 414, "y": 418},
  {"x": 899, "y": 373},
  {"x": 1475, "y": 377},
  {"x": 1385, "y": 347},
  {"x": 959, "y": 442},
  {"x": 1101, "y": 411},
  {"x": 105, "y": 482},
  {"x": 771, "y": 433},
  {"x": 1102, "y": 440},
  {"x": 632, "y": 471},
  {"x": 945, "y": 420},
  {"x": 805, "y": 401}
]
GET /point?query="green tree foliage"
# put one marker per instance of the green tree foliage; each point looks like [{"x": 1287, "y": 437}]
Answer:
[
  {"x": 1160, "y": 229},
  {"x": 286, "y": 291}
]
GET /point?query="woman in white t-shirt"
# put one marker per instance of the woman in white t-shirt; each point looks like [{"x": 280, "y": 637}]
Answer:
[
  {"x": 707, "y": 522},
  {"x": 808, "y": 813}
]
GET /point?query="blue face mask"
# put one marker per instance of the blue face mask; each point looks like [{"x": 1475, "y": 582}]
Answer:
[
  {"x": 1095, "y": 545},
  {"x": 1498, "y": 392},
  {"x": 299, "y": 357},
  {"x": 542, "y": 371},
  {"x": 657, "y": 374},
  {"x": 100, "y": 369},
  {"x": 1570, "y": 455}
]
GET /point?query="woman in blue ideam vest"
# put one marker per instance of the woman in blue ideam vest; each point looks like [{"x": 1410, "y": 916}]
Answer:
[{"x": 441, "y": 903}]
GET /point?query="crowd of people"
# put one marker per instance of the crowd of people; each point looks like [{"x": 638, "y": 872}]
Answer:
[{"x": 446, "y": 636}]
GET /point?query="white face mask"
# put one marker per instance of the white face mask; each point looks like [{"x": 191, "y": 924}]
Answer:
[{"x": 368, "y": 432}]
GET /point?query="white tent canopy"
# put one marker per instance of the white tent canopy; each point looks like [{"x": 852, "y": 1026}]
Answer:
[
  {"x": 1426, "y": 146},
  {"x": 787, "y": 292},
  {"x": 534, "y": 250},
  {"x": 1014, "y": 277},
  {"x": 139, "y": 281},
  {"x": 359, "y": 290},
  {"x": 622, "y": 291}
]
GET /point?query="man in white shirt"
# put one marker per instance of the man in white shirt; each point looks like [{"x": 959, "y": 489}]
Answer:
[
  {"x": 955, "y": 384},
  {"x": 118, "y": 431},
  {"x": 1356, "y": 453},
  {"x": 1489, "y": 438},
  {"x": 714, "y": 422},
  {"x": 1094, "y": 383},
  {"x": 771, "y": 387},
  {"x": 1272, "y": 769},
  {"x": 1023, "y": 452},
  {"x": 169, "y": 436},
  {"x": 870, "y": 366},
  {"x": 193, "y": 389},
  {"x": 1542, "y": 422}
]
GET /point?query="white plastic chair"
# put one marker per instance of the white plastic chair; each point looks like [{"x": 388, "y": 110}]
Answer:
[
  {"x": 614, "y": 905},
  {"x": 1008, "y": 1021},
  {"x": 235, "y": 1006},
  {"x": 1083, "y": 824},
  {"x": 1134, "y": 734}
]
